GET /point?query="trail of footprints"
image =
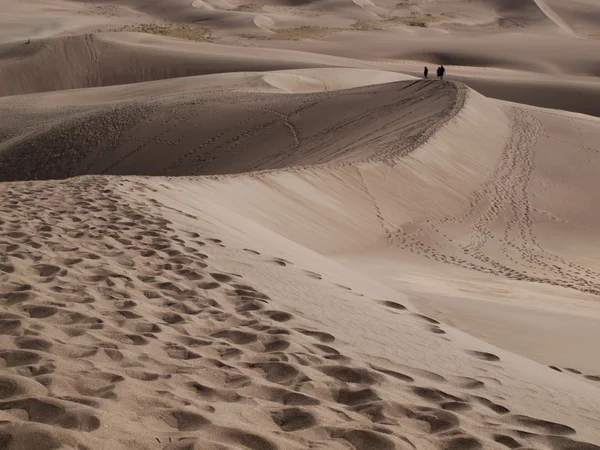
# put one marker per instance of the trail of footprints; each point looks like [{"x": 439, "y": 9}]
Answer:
[
  {"x": 571, "y": 371},
  {"x": 505, "y": 196},
  {"x": 78, "y": 338}
]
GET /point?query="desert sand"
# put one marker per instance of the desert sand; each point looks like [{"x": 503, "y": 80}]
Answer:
[{"x": 233, "y": 225}]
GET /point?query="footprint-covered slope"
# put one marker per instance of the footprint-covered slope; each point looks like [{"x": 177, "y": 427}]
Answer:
[
  {"x": 209, "y": 133},
  {"x": 130, "y": 317}
]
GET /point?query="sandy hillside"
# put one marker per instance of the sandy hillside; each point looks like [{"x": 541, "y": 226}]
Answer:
[{"x": 234, "y": 225}]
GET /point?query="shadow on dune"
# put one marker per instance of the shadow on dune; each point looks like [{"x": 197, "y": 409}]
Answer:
[{"x": 225, "y": 133}]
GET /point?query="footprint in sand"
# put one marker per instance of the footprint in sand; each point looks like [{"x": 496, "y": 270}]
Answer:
[
  {"x": 393, "y": 373},
  {"x": 30, "y": 343},
  {"x": 183, "y": 420},
  {"x": 278, "y": 316},
  {"x": 55, "y": 412},
  {"x": 363, "y": 439},
  {"x": 435, "y": 395},
  {"x": 12, "y": 298},
  {"x": 351, "y": 397},
  {"x": 276, "y": 345},
  {"x": 439, "y": 420},
  {"x": 15, "y": 358},
  {"x": 485, "y": 356},
  {"x": 280, "y": 262},
  {"x": 542, "y": 426},
  {"x": 426, "y": 319},
  {"x": 314, "y": 275},
  {"x": 9, "y": 325},
  {"x": 208, "y": 285},
  {"x": 321, "y": 336},
  {"x": 349, "y": 374},
  {"x": 46, "y": 270},
  {"x": 221, "y": 277},
  {"x": 507, "y": 441},
  {"x": 293, "y": 419},
  {"x": 40, "y": 311},
  {"x": 498, "y": 409},
  {"x": 436, "y": 330},
  {"x": 464, "y": 442},
  {"x": 277, "y": 372},
  {"x": 7, "y": 268},
  {"x": 392, "y": 305},
  {"x": 236, "y": 336}
]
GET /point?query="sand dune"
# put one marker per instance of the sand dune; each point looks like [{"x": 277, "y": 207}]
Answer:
[
  {"x": 260, "y": 132},
  {"x": 581, "y": 16},
  {"x": 228, "y": 225},
  {"x": 108, "y": 59},
  {"x": 121, "y": 58}
]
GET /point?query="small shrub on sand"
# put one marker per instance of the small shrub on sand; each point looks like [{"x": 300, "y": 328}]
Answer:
[
  {"x": 182, "y": 31},
  {"x": 294, "y": 34},
  {"x": 405, "y": 4},
  {"x": 249, "y": 7},
  {"x": 413, "y": 20},
  {"x": 367, "y": 25}
]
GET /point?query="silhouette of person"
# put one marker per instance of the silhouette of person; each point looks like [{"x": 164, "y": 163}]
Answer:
[
  {"x": 442, "y": 71},
  {"x": 439, "y": 72},
  {"x": 425, "y": 72}
]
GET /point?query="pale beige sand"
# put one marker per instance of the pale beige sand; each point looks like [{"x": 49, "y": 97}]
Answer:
[
  {"x": 138, "y": 317},
  {"x": 278, "y": 237}
]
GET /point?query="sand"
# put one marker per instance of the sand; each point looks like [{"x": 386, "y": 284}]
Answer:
[{"x": 229, "y": 225}]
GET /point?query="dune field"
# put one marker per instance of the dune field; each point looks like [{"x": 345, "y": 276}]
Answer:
[{"x": 235, "y": 225}]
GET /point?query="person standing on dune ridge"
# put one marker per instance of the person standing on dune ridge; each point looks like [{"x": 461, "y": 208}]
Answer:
[
  {"x": 442, "y": 70},
  {"x": 425, "y": 72}
]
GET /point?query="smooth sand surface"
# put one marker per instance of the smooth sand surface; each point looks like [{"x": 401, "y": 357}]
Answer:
[{"x": 229, "y": 225}]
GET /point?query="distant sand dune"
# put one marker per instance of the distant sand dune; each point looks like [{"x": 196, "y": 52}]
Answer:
[
  {"x": 518, "y": 13},
  {"x": 107, "y": 59},
  {"x": 580, "y": 16}
]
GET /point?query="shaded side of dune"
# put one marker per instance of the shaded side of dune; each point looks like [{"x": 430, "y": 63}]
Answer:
[{"x": 225, "y": 133}]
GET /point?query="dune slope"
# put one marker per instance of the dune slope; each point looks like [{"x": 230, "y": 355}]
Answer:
[
  {"x": 222, "y": 132},
  {"x": 160, "y": 325}
]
